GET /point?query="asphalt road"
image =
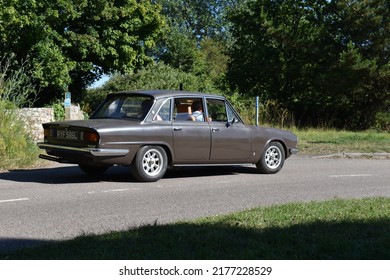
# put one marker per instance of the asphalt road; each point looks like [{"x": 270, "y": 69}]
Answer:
[{"x": 61, "y": 202}]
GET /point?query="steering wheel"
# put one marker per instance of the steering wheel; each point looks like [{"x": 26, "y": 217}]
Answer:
[{"x": 220, "y": 117}]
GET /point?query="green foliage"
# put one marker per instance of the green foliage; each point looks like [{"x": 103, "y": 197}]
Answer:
[
  {"x": 16, "y": 84},
  {"x": 16, "y": 149},
  {"x": 331, "y": 141},
  {"x": 326, "y": 61},
  {"x": 273, "y": 113},
  {"x": 59, "y": 110},
  {"x": 195, "y": 38},
  {"x": 179, "y": 50},
  {"x": 73, "y": 42},
  {"x": 382, "y": 121},
  {"x": 153, "y": 76},
  {"x": 201, "y": 18}
]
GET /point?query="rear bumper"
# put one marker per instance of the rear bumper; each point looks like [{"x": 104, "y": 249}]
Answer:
[
  {"x": 293, "y": 151},
  {"x": 97, "y": 152}
]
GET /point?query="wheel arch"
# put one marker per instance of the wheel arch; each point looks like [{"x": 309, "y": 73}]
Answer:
[
  {"x": 165, "y": 146},
  {"x": 280, "y": 141}
]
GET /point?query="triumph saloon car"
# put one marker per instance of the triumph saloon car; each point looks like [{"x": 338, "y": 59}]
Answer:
[{"x": 148, "y": 131}]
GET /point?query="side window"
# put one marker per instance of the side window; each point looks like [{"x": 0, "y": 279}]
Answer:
[
  {"x": 188, "y": 109},
  {"x": 221, "y": 111},
  {"x": 232, "y": 115},
  {"x": 217, "y": 110},
  {"x": 164, "y": 114}
]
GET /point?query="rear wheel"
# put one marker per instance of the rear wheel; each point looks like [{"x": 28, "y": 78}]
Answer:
[
  {"x": 272, "y": 159},
  {"x": 150, "y": 164},
  {"x": 93, "y": 169}
]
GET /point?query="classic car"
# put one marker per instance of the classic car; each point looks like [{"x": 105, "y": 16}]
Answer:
[{"x": 150, "y": 131}]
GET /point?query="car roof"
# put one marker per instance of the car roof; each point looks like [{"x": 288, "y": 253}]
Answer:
[{"x": 167, "y": 93}]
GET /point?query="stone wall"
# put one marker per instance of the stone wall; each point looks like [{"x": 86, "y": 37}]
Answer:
[
  {"x": 33, "y": 119},
  {"x": 76, "y": 113}
]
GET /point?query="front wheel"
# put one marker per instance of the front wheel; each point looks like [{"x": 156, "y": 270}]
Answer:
[
  {"x": 272, "y": 159},
  {"x": 150, "y": 164}
]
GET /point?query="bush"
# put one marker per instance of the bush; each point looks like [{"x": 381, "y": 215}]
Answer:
[
  {"x": 59, "y": 110},
  {"x": 16, "y": 148},
  {"x": 154, "y": 76}
]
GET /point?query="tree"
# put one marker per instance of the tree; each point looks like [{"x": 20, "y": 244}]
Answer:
[
  {"x": 73, "y": 42},
  {"x": 153, "y": 76},
  {"x": 327, "y": 61},
  {"x": 201, "y": 18},
  {"x": 196, "y": 37}
]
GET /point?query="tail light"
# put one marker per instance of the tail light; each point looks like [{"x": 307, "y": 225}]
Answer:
[
  {"x": 48, "y": 132},
  {"x": 91, "y": 136}
]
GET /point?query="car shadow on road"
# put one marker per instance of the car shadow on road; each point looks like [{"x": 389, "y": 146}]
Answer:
[
  {"x": 12, "y": 244},
  {"x": 204, "y": 171},
  {"x": 72, "y": 174},
  {"x": 56, "y": 175},
  {"x": 221, "y": 241}
]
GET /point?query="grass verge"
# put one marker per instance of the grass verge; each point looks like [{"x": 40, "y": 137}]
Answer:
[
  {"x": 336, "y": 229},
  {"x": 16, "y": 149},
  {"x": 330, "y": 141}
]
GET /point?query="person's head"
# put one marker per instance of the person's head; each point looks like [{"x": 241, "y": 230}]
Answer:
[{"x": 196, "y": 106}]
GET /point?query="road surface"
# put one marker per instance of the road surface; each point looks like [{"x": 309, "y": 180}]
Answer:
[{"x": 61, "y": 202}]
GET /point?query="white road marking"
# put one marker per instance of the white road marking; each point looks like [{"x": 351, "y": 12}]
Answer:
[
  {"x": 14, "y": 200},
  {"x": 116, "y": 190},
  {"x": 113, "y": 190},
  {"x": 350, "y": 175}
]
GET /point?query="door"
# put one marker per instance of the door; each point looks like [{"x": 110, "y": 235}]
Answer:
[
  {"x": 230, "y": 137},
  {"x": 191, "y": 133}
]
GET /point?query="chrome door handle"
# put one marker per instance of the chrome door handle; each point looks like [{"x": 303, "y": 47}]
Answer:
[{"x": 215, "y": 129}]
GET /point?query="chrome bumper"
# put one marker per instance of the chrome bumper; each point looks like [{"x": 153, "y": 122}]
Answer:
[
  {"x": 293, "y": 151},
  {"x": 93, "y": 151}
]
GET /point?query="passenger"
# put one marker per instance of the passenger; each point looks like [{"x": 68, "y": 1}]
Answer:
[{"x": 197, "y": 112}]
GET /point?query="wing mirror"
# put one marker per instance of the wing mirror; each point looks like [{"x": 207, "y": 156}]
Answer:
[{"x": 229, "y": 124}]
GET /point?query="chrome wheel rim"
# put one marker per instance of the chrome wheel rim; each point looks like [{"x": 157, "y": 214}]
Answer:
[
  {"x": 273, "y": 157},
  {"x": 152, "y": 162}
]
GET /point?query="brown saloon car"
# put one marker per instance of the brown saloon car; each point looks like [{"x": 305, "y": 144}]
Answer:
[{"x": 151, "y": 130}]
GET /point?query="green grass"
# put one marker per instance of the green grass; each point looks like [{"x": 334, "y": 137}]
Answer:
[
  {"x": 329, "y": 141},
  {"x": 336, "y": 229},
  {"x": 16, "y": 149}
]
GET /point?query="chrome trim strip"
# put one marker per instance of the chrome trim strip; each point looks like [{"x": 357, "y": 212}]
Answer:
[
  {"x": 109, "y": 152},
  {"x": 93, "y": 151}
]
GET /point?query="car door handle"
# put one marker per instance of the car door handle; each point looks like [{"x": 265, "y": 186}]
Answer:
[
  {"x": 215, "y": 129},
  {"x": 177, "y": 129}
]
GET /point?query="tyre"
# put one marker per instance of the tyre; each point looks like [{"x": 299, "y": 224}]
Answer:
[
  {"x": 272, "y": 159},
  {"x": 93, "y": 169},
  {"x": 149, "y": 164}
]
